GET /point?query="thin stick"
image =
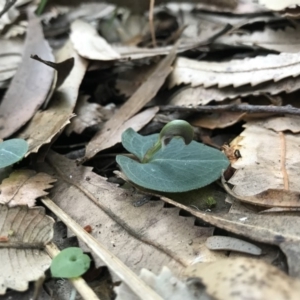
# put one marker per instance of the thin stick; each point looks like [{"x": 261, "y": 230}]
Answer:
[
  {"x": 283, "y": 159},
  {"x": 137, "y": 285},
  {"x": 79, "y": 284},
  {"x": 251, "y": 109},
  {"x": 151, "y": 24}
]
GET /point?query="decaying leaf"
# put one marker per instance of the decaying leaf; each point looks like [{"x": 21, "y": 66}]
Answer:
[
  {"x": 241, "y": 278},
  {"x": 27, "y": 231},
  {"x": 167, "y": 286},
  {"x": 144, "y": 237},
  {"x": 46, "y": 124},
  {"x": 31, "y": 84},
  {"x": 218, "y": 242},
  {"x": 22, "y": 187},
  {"x": 236, "y": 72},
  {"x": 260, "y": 169},
  {"x": 136, "y": 102},
  {"x": 283, "y": 231},
  {"x": 89, "y": 44},
  {"x": 201, "y": 96},
  {"x": 87, "y": 115},
  {"x": 286, "y": 40}
]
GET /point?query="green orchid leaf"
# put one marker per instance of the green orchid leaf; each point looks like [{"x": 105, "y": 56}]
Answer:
[
  {"x": 11, "y": 151},
  {"x": 175, "y": 168},
  {"x": 70, "y": 263}
]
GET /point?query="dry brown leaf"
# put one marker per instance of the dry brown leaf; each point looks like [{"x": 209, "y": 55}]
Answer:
[
  {"x": 235, "y": 72},
  {"x": 145, "y": 93},
  {"x": 46, "y": 124},
  {"x": 201, "y": 96},
  {"x": 23, "y": 259},
  {"x": 245, "y": 278},
  {"x": 10, "y": 57},
  {"x": 258, "y": 168},
  {"x": 287, "y": 40},
  {"x": 279, "y": 4},
  {"x": 148, "y": 236},
  {"x": 87, "y": 115},
  {"x": 23, "y": 187},
  {"x": 89, "y": 44},
  {"x": 283, "y": 231},
  {"x": 31, "y": 84},
  {"x": 217, "y": 120}
]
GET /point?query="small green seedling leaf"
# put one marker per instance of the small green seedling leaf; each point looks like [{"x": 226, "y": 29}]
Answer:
[
  {"x": 70, "y": 263},
  {"x": 175, "y": 168},
  {"x": 11, "y": 151}
]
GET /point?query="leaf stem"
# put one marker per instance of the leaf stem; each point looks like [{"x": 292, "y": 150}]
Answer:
[{"x": 175, "y": 128}]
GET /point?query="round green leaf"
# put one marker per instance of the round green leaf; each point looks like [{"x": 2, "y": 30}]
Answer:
[
  {"x": 176, "y": 168},
  {"x": 70, "y": 263},
  {"x": 11, "y": 151}
]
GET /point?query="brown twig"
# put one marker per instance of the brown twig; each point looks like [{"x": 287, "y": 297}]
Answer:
[
  {"x": 151, "y": 24},
  {"x": 250, "y": 109}
]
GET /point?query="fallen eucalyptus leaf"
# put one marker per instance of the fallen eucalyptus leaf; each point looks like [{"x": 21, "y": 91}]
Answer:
[{"x": 23, "y": 259}]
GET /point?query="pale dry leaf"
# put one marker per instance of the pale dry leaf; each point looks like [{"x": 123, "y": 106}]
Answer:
[
  {"x": 89, "y": 44},
  {"x": 16, "y": 29},
  {"x": 260, "y": 169},
  {"x": 31, "y": 83},
  {"x": 147, "y": 236},
  {"x": 134, "y": 104},
  {"x": 23, "y": 187},
  {"x": 286, "y": 40},
  {"x": 283, "y": 231},
  {"x": 201, "y": 96},
  {"x": 167, "y": 286},
  {"x": 241, "y": 278},
  {"x": 236, "y": 72},
  {"x": 218, "y": 242},
  {"x": 46, "y": 124},
  {"x": 87, "y": 115},
  {"x": 279, "y": 4},
  {"x": 10, "y": 57},
  {"x": 26, "y": 231},
  {"x": 9, "y": 16}
]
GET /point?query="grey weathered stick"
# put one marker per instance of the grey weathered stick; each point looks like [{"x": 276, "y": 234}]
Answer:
[
  {"x": 251, "y": 109},
  {"x": 137, "y": 285}
]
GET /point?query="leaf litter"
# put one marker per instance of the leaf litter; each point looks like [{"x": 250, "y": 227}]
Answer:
[{"x": 242, "y": 53}]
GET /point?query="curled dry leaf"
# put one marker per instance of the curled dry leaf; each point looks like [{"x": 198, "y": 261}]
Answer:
[
  {"x": 23, "y": 187},
  {"x": 218, "y": 242},
  {"x": 8, "y": 14},
  {"x": 236, "y": 72},
  {"x": 260, "y": 170},
  {"x": 236, "y": 279},
  {"x": 27, "y": 231},
  {"x": 167, "y": 286},
  {"x": 46, "y": 124},
  {"x": 31, "y": 84}
]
